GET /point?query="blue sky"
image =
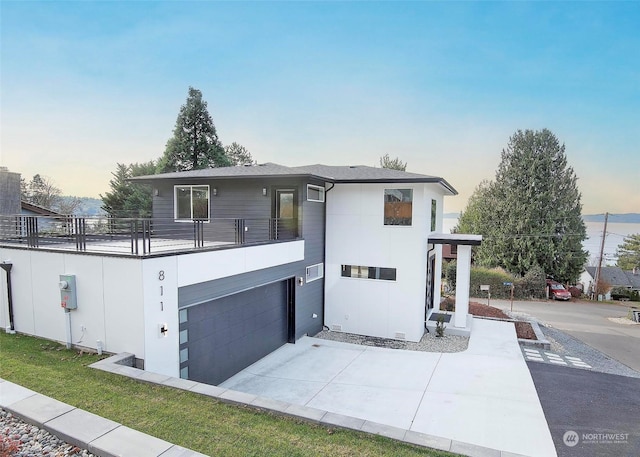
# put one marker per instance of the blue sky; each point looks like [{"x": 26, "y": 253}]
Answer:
[{"x": 441, "y": 85}]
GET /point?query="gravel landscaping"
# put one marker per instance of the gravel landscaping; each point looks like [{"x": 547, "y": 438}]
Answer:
[
  {"x": 20, "y": 439},
  {"x": 428, "y": 343}
]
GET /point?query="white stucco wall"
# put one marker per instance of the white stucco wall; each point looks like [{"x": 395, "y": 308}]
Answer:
[
  {"x": 122, "y": 301},
  {"x": 356, "y": 235},
  {"x": 109, "y": 298}
]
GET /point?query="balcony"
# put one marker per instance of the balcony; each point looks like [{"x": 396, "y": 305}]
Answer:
[{"x": 140, "y": 237}]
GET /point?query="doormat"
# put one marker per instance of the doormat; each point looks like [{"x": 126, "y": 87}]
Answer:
[{"x": 435, "y": 316}]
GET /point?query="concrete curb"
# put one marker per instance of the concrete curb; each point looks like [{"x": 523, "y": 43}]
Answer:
[
  {"x": 98, "y": 435},
  {"x": 316, "y": 416}
]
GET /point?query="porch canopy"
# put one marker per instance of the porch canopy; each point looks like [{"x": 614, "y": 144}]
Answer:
[{"x": 463, "y": 269}]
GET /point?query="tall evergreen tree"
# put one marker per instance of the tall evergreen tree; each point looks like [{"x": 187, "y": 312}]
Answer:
[
  {"x": 531, "y": 213},
  {"x": 195, "y": 144},
  {"x": 127, "y": 199}
]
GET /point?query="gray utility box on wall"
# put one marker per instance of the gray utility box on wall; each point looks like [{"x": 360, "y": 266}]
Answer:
[{"x": 68, "y": 297}]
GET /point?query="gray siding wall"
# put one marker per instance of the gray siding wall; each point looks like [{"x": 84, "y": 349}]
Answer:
[{"x": 244, "y": 199}]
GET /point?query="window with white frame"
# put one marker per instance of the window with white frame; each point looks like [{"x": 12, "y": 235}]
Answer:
[
  {"x": 315, "y": 193},
  {"x": 191, "y": 202},
  {"x": 315, "y": 272}
]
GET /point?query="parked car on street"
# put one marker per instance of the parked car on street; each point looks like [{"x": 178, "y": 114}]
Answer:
[{"x": 557, "y": 291}]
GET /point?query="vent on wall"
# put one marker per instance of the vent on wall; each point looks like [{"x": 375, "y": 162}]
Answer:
[
  {"x": 336, "y": 328},
  {"x": 401, "y": 336}
]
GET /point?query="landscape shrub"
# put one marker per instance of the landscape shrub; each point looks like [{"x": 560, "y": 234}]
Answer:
[
  {"x": 575, "y": 292},
  {"x": 533, "y": 284},
  {"x": 494, "y": 278},
  {"x": 449, "y": 273}
]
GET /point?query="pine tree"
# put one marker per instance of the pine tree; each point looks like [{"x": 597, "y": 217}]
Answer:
[
  {"x": 127, "y": 199},
  {"x": 195, "y": 144},
  {"x": 531, "y": 214},
  {"x": 238, "y": 154},
  {"x": 629, "y": 252}
]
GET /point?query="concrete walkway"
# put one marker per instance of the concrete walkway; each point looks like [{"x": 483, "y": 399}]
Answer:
[{"x": 484, "y": 396}]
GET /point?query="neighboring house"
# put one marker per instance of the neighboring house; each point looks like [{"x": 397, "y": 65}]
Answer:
[
  {"x": 52, "y": 221},
  {"x": 237, "y": 261},
  {"x": 613, "y": 276}
]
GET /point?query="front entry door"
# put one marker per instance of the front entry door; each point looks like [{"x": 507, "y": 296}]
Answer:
[{"x": 285, "y": 214}]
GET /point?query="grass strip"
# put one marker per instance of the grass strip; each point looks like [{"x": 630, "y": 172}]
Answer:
[{"x": 185, "y": 418}]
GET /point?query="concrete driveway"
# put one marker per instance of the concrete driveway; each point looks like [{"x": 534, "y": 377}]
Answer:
[
  {"x": 484, "y": 395},
  {"x": 588, "y": 322}
]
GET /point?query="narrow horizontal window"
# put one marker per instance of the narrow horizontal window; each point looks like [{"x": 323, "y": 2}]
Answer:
[
  {"x": 315, "y": 272},
  {"x": 315, "y": 193},
  {"x": 359, "y": 271},
  {"x": 398, "y": 206}
]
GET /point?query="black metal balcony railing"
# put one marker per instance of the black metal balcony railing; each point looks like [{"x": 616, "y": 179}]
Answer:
[{"x": 137, "y": 236}]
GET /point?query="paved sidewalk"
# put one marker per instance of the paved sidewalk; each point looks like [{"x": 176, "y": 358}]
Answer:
[{"x": 484, "y": 396}]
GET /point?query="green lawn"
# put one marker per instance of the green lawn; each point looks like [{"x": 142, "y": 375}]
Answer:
[{"x": 194, "y": 421}]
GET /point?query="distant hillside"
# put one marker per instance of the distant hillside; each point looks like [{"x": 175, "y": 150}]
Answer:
[
  {"x": 628, "y": 218},
  {"x": 88, "y": 207}
]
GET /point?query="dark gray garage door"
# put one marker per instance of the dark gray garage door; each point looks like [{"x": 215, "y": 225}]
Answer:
[{"x": 224, "y": 336}]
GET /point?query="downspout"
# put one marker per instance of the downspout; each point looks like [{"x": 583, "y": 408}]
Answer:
[
  {"x": 325, "y": 248},
  {"x": 426, "y": 305},
  {"x": 6, "y": 266}
]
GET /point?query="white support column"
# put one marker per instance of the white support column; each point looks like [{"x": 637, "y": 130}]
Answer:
[{"x": 463, "y": 279}]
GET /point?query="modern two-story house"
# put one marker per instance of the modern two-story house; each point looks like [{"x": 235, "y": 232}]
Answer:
[{"x": 236, "y": 262}]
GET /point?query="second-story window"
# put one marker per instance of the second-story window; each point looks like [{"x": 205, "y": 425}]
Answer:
[
  {"x": 398, "y": 206},
  {"x": 434, "y": 208},
  {"x": 191, "y": 202}
]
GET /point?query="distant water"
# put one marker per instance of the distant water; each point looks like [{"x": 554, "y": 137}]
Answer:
[{"x": 616, "y": 232}]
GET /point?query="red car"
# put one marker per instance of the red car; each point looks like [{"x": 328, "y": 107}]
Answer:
[{"x": 557, "y": 291}]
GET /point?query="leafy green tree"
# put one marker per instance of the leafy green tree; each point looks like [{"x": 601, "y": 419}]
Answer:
[
  {"x": 127, "y": 199},
  {"x": 195, "y": 144},
  {"x": 393, "y": 164},
  {"x": 238, "y": 154},
  {"x": 629, "y": 252},
  {"x": 530, "y": 214}
]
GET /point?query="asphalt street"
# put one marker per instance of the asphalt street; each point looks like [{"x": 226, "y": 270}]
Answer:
[
  {"x": 588, "y": 322},
  {"x": 590, "y": 414}
]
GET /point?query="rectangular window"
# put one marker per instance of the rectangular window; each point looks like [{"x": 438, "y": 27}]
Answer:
[
  {"x": 358, "y": 271},
  {"x": 315, "y": 193},
  {"x": 434, "y": 206},
  {"x": 315, "y": 272},
  {"x": 398, "y": 206},
  {"x": 191, "y": 202}
]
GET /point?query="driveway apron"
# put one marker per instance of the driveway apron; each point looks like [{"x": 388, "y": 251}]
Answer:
[{"x": 484, "y": 395}]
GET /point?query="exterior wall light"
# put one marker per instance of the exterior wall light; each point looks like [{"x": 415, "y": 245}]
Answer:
[
  {"x": 264, "y": 191},
  {"x": 214, "y": 191}
]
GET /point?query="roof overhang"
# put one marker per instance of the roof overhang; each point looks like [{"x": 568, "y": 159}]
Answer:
[{"x": 455, "y": 239}]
